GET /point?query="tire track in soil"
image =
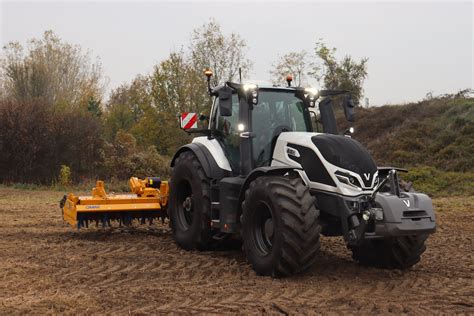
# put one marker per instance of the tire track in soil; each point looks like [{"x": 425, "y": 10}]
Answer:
[{"x": 50, "y": 268}]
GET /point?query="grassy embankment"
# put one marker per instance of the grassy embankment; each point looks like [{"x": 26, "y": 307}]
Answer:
[{"x": 434, "y": 139}]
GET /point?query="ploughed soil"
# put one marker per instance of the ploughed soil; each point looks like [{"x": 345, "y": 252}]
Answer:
[{"x": 47, "y": 267}]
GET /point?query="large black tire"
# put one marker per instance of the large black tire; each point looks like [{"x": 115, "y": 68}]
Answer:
[
  {"x": 189, "y": 203},
  {"x": 280, "y": 226},
  {"x": 392, "y": 253}
]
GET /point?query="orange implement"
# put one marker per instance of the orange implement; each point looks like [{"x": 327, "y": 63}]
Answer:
[{"x": 148, "y": 200}]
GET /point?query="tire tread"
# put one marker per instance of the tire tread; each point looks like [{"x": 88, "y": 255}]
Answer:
[
  {"x": 300, "y": 224},
  {"x": 393, "y": 253}
]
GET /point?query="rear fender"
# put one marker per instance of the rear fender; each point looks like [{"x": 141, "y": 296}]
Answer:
[{"x": 208, "y": 163}]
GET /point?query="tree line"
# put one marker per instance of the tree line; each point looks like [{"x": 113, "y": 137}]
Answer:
[{"x": 54, "y": 114}]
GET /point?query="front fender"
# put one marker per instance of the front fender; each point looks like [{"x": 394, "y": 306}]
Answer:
[{"x": 263, "y": 171}]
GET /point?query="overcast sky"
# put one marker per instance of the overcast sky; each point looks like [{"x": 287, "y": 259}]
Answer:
[{"x": 413, "y": 48}]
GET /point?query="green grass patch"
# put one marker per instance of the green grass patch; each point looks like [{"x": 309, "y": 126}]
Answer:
[
  {"x": 84, "y": 186},
  {"x": 438, "y": 183}
]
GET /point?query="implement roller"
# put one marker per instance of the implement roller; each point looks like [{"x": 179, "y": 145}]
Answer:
[{"x": 148, "y": 201}]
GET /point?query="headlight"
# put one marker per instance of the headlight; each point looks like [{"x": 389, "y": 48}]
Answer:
[
  {"x": 348, "y": 179},
  {"x": 250, "y": 86},
  {"x": 251, "y": 90},
  {"x": 311, "y": 91}
]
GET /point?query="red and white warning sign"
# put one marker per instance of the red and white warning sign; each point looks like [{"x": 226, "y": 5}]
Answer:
[{"x": 189, "y": 120}]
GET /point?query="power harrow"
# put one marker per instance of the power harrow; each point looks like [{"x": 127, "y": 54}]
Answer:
[{"x": 146, "y": 202}]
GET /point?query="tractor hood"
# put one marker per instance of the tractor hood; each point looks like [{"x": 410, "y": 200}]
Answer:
[{"x": 346, "y": 153}]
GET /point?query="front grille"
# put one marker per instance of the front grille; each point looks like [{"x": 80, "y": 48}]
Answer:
[{"x": 414, "y": 213}]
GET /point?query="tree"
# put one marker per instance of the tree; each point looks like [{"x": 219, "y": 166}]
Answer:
[
  {"x": 126, "y": 106},
  {"x": 135, "y": 95},
  {"x": 177, "y": 86},
  {"x": 50, "y": 110},
  {"x": 293, "y": 63},
  {"x": 118, "y": 117},
  {"x": 59, "y": 73},
  {"x": 347, "y": 74},
  {"x": 35, "y": 141},
  {"x": 210, "y": 48},
  {"x": 94, "y": 107},
  {"x": 149, "y": 107}
]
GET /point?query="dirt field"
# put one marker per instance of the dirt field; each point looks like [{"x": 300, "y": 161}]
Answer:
[{"x": 48, "y": 267}]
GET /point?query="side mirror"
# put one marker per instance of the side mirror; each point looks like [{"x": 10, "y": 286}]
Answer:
[
  {"x": 348, "y": 105},
  {"x": 327, "y": 116},
  {"x": 225, "y": 101}
]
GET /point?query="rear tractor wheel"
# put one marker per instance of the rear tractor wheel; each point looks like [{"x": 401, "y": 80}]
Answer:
[{"x": 189, "y": 203}]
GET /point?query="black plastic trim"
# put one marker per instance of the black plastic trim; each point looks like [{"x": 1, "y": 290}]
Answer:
[
  {"x": 229, "y": 213},
  {"x": 312, "y": 165},
  {"x": 347, "y": 153}
]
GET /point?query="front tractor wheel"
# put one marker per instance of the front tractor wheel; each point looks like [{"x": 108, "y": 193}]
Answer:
[
  {"x": 280, "y": 226},
  {"x": 392, "y": 253}
]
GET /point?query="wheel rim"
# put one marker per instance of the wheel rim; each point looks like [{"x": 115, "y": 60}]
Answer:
[
  {"x": 185, "y": 204},
  {"x": 263, "y": 229}
]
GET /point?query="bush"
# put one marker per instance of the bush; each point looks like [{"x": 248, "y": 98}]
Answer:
[
  {"x": 124, "y": 159},
  {"x": 35, "y": 140},
  {"x": 436, "y": 183},
  {"x": 65, "y": 175}
]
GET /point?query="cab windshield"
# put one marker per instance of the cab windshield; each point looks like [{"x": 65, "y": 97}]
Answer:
[{"x": 277, "y": 111}]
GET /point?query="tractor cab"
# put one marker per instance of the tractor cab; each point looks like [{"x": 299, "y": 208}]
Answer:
[
  {"x": 277, "y": 110},
  {"x": 247, "y": 119}
]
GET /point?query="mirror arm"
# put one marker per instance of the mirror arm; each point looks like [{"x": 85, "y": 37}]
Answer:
[
  {"x": 209, "y": 89},
  {"x": 381, "y": 184}
]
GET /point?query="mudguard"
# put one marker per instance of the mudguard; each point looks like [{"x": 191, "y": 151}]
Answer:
[
  {"x": 208, "y": 163},
  {"x": 262, "y": 171}
]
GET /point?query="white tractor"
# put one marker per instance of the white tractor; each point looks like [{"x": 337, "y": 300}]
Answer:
[{"x": 260, "y": 171}]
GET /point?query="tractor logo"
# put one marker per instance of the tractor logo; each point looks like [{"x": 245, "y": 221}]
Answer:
[
  {"x": 407, "y": 202},
  {"x": 367, "y": 176}
]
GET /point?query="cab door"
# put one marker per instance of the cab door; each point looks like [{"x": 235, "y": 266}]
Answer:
[{"x": 226, "y": 132}]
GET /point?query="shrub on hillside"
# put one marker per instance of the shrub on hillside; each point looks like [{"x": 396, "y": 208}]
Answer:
[
  {"x": 437, "y": 183},
  {"x": 437, "y": 132}
]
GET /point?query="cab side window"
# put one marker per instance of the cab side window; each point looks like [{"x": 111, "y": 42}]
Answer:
[
  {"x": 227, "y": 125},
  {"x": 227, "y": 133}
]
